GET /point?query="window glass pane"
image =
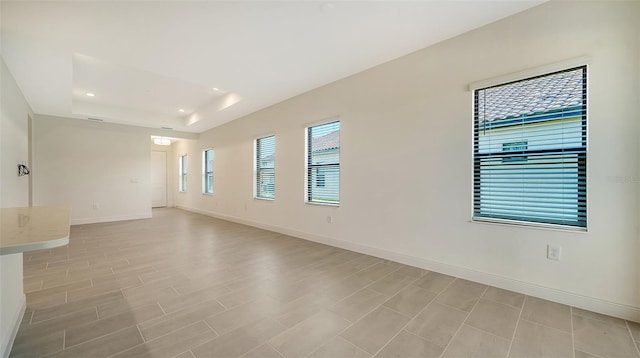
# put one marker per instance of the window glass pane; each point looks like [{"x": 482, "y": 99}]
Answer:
[
  {"x": 208, "y": 171},
  {"x": 530, "y": 150},
  {"x": 183, "y": 173},
  {"x": 265, "y": 167},
  {"x": 323, "y": 162}
]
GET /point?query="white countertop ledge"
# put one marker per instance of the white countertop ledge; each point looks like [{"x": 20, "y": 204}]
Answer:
[{"x": 33, "y": 228}]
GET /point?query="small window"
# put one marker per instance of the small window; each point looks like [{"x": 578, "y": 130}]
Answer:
[
  {"x": 530, "y": 148},
  {"x": 207, "y": 169},
  {"x": 183, "y": 174},
  {"x": 265, "y": 175},
  {"x": 323, "y": 163}
]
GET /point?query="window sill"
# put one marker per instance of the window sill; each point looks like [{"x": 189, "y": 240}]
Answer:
[
  {"x": 207, "y": 194},
  {"x": 529, "y": 225},
  {"x": 322, "y": 204},
  {"x": 265, "y": 199}
]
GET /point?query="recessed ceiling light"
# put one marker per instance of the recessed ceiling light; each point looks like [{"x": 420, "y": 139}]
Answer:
[
  {"x": 216, "y": 89},
  {"x": 181, "y": 110},
  {"x": 91, "y": 94}
]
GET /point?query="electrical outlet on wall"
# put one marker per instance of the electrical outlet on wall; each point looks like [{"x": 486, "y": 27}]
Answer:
[
  {"x": 553, "y": 252},
  {"x": 329, "y": 219}
]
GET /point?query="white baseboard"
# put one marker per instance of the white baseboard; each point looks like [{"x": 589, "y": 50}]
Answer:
[
  {"x": 565, "y": 297},
  {"x": 6, "y": 346},
  {"x": 109, "y": 219}
]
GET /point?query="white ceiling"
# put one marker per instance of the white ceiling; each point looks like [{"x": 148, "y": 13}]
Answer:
[{"x": 146, "y": 60}]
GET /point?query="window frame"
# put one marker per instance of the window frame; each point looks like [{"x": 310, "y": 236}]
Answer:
[
  {"x": 308, "y": 199},
  {"x": 205, "y": 172},
  {"x": 257, "y": 169},
  {"x": 182, "y": 171},
  {"x": 569, "y": 65}
]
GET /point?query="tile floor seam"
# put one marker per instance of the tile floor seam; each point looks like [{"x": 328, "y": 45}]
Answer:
[
  {"x": 225, "y": 307},
  {"x": 164, "y": 313},
  {"x": 590, "y": 353},
  {"x": 187, "y": 351},
  {"x": 416, "y": 315},
  {"x": 272, "y": 347},
  {"x": 102, "y": 336},
  {"x": 626, "y": 323},
  {"x": 211, "y": 328},
  {"x": 423, "y": 338},
  {"x": 513, "y": 336},
  {"x": 268, "y": 342},
  {"x": 144, "y": 342},
  {"x": 295, "y": 325},
  {"x": 59, "y": 316},
  {"x": 398, "y": 312},
  {"x": 456, "y": 308},
  {"x": 401, "y": 288},
  {"x": 502, "y": 303},
  {"x": 595, "y": 318},
  {"x": 174, "y": 290},
  {"x": 365, "y": 268},
  {"x": 544, "y": 325},
  {"x": 341, "y": 338},
  {"x": 354, "y": 323},
  {"x": 465, "y": 319}
]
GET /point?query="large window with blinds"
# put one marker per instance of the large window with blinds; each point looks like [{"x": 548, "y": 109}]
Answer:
[
  {"x": 265, "y": 169},
  {"x": 530, "y": 148},
  {"x": 207, "y": 171},
  {"x": 323, "y": 163},
  {"x": 182, "y": 187}
]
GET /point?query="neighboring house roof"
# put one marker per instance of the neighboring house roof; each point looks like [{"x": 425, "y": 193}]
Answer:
[
  {"x": 268, "y": 158},
  {"x": 538, "y": 95},
  {"x": 326, "y": 142}
]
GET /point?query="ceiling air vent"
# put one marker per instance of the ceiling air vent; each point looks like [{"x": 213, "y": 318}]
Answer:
[
  {"x": 96, "y": 119},
  {"x": 169, "y": 128}
]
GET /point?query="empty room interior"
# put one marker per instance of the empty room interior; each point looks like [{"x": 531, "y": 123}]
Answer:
[{"x": 320, "y": 179}]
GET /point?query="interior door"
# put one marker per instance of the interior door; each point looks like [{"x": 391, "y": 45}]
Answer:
[{"x": 158, "y": 179}]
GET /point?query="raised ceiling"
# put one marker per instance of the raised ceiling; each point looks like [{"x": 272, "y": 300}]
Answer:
[{"x": 215, "y": 61}]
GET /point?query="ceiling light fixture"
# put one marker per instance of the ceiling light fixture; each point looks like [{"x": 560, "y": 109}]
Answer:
[
  {"x": 216, "y": 89},
  {"x": 91, "y": 94},
  {"x": 181, "y": 110}
]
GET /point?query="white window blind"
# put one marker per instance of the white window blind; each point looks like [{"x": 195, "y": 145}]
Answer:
[
  {"x": 207, "y": 165},
  {"x": 265, "y": 167},
  {"x": 530, "y": 140},
  {"x": 323, "y": 163}
]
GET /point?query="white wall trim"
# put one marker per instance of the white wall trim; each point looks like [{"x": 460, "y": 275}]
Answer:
[
  {"x": 565, "y": 297},
  {"x": 531, "y": 72},
  {"x": 8, "y": 345},
  {"x": 95, "y": 220}
]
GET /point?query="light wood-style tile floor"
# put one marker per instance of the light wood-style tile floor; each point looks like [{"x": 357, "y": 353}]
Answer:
[{"x": 186, "y": 285}]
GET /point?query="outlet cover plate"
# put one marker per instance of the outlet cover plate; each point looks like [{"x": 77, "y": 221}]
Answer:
[{"x": 554, "y": 252}]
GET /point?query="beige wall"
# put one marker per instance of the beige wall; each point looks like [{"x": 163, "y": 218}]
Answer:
[
  {"x": 14, "y": 192},
  {"x": 82, "y": 163},
  {"x": 406, "y": 149}
]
